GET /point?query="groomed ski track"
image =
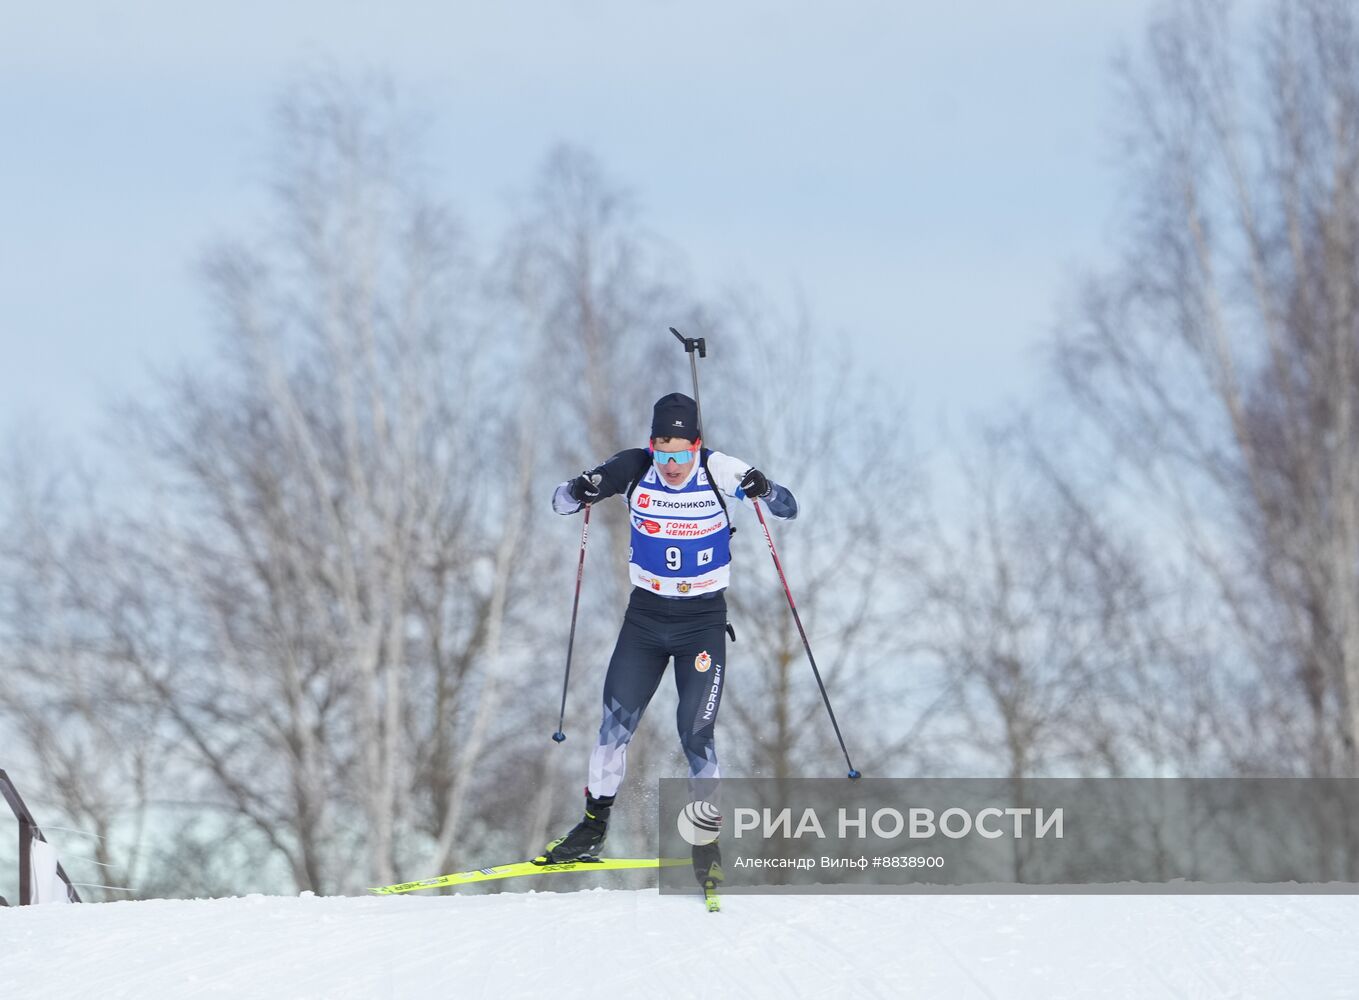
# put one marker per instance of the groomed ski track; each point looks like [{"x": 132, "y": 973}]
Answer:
[{"x": 598, "y": 943}]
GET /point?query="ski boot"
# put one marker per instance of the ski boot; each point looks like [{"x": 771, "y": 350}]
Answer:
[
  {"x": 708, "y": 871},
  {"x": 708, "y": 864},
  {"x": 585, "y": 837}
]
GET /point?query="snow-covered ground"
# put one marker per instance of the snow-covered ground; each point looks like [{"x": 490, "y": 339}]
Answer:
[{"x": 602, "y": 944}]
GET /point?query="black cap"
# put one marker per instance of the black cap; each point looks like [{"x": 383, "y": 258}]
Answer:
[{"x": 675, "y": 415}]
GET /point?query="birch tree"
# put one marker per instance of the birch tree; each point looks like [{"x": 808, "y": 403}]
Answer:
[
  {"x": 343, "y": 531},
  {"x": 1219, "y": 355}
]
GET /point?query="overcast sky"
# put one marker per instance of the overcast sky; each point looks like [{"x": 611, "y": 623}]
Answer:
[{"x": 926, "y": 176}]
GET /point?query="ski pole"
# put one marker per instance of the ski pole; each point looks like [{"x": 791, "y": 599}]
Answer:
[
  {"x": 853, "y": 772},
  {"x": 560, "y": 734},
  {"x": 696, "y": 344},
  {"x": 692, "y": 345}
]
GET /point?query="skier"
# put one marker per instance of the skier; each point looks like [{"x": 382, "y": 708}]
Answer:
[{"x": 678, "y": 566}]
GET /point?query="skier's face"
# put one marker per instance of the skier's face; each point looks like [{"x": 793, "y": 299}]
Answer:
[{"x": 671, "y": 471}]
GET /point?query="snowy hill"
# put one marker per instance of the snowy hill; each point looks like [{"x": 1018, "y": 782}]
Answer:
[{"x": 600, "y": 944}]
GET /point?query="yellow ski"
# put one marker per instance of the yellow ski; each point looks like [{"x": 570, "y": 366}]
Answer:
[{"x": 528, "y": 868}]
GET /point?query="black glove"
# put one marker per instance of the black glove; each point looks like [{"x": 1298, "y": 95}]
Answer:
[
  {"x": 755, "y": 485},
  {"x": 585, "y": 487}
]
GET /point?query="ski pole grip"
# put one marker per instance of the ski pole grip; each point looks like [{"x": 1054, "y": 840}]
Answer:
[{"x": 692, "y": 344}]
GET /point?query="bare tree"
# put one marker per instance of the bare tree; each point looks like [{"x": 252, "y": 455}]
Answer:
[
  {"x": 65, "y": 705},
  {"x": 1057, "y": 634},
  {"x": 349, "y": 574},
  {"x": 1220, "y": 355},
  {"x": 592, "y": 294},
  {"x": 785, "y": 397}
]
